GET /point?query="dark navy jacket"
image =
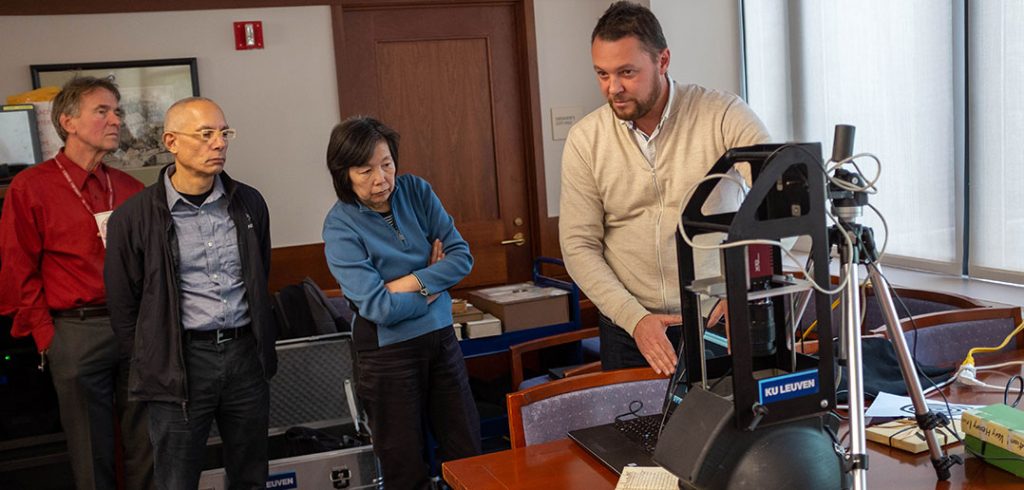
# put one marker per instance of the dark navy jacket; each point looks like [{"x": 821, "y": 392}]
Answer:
[{"x": 141, "y": 277}]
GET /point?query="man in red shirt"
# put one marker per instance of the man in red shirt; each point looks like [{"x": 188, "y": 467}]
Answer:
[{"x": 52, "y": 233}]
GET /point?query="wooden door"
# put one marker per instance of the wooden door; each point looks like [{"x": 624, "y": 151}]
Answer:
[{"x": 448, "y": 79}]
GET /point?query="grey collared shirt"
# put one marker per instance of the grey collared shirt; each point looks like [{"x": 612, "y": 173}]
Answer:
[{"x": 210, "y": 269}]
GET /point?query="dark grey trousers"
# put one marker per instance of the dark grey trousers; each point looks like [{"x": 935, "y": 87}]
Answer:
[
  {"x": 404, "y": 385},
  {"x": 619, "y": 350},
  {"x": 91, "y": 383},
  {"x": 226, "y": 383}
]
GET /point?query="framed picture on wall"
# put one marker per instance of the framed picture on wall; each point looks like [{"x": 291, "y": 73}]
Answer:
[{"x": 148, "y": 88}]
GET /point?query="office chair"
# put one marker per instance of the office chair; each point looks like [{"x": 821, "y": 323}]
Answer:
[
  {"x": 917, "y": 301},
  {"x": 517, "y": 351},
  {"x": 942, "y": 339},
  {"x": 549, "y": 411},
  {"x": 914, "y": 302}
]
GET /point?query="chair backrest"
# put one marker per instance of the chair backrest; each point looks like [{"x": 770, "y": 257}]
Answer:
[
  {"x": 912, "y": 302},
  {"x": 943, "y": 339},
  {"x": 549, "y": 411},
  {"x": 517, "y": 351}
]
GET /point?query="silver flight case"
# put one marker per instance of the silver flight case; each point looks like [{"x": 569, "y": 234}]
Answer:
[
  {"x": 353, "y": 469},
  {"x": 309, "y": 391}
]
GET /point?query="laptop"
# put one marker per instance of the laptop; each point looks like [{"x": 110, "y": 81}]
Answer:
[
  {"x": 629, "y": 441},
  {"x": 610, "y": 445}
]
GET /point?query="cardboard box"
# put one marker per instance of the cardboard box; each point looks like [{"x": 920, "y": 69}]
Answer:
[
  {"x": 458, "y": 306},
  {"x": 489, "y": 326},
  {"x": 524, "y": 305},
  {"x": 470, "y": 314}
]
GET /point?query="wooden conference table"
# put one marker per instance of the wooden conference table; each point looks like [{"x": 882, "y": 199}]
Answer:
[{"x": 562, "y": 464}]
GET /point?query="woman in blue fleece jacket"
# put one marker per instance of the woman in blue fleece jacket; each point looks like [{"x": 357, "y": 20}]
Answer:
[{"x": 395, "y": 252}]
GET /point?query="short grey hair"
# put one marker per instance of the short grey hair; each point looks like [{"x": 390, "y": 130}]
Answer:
[{"x": 69, "y": 100}]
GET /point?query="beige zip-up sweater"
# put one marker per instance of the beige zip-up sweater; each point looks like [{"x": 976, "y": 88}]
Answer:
[{"x": 619, "y": 213}]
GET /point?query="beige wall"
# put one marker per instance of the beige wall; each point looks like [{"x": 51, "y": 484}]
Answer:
[
  {"x": 565, "y": 72},
  {"x": 704, "y": 39},
  {"x": 282, "y": 99}
]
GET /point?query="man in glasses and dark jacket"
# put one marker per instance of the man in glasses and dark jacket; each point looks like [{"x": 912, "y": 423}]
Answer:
[{"x": 186, "y": 274}]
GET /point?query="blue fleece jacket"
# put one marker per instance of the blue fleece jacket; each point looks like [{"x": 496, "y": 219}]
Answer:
[{"x": 364, "y": 253}]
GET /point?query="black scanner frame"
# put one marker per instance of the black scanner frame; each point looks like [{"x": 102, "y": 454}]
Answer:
[{"x": 787, "y": 199}]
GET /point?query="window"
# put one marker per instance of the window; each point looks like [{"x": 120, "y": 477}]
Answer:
[
  {"x": 898, "y": 71},
  {"x": 996, "y": 138}
]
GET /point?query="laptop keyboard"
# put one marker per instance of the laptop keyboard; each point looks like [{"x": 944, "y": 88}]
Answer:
[{"x": 643, "y": 430}]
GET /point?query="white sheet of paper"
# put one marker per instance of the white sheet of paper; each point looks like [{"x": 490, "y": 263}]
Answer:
[
  {"x": 646, "y": 478},
  {"x": 889, "y": 405}
]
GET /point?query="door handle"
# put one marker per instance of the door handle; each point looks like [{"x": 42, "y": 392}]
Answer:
[{"x": 518, "y": 240}]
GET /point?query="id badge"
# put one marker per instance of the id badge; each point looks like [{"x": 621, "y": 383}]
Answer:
[{"x": 101, "y": 224}]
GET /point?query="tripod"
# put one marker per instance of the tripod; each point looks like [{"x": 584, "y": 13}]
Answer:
[{"x": 847, "y": 205}]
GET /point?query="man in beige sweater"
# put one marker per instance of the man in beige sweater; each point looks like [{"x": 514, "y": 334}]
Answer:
[{"x": 625, "y": 169}]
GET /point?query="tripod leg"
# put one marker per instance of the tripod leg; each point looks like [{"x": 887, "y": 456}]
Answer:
[
  {"x": 925, "y": 417},
  {"x": 857, "y": 462}
]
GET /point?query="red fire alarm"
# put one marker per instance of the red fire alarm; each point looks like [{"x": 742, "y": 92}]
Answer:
[{"x": 249, "y": 35}]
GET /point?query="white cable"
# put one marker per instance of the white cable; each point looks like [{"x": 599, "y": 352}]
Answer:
[
  {"x": 869, "y": 187},
  {"x": 999, "y": 366},
  {"x": 743, "y": 243},
  {"x": 967, "y": 375}
]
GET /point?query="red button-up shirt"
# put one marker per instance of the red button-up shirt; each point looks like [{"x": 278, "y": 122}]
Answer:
[{"x": 51, "y": 255}]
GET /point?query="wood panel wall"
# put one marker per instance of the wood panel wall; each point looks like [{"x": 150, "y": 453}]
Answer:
[{"x": 289, "y": 265}]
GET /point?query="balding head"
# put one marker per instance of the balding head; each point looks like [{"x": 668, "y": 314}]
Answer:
[{"x": 180, "y": 112}]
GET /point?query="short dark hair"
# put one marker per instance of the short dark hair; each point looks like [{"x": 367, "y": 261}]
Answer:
[
  {"x": 69, "y": 100},
  {"x": 351, "y": 145},
  {"x": 629, "y": 19}
]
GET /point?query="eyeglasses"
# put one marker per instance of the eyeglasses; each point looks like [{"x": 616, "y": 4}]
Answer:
[{"x": 207, "y": 134}]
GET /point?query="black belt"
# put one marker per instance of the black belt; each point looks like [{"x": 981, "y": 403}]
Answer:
[
  {"x": 81, "y": 313},
  {"x": 217, "y": 336}
]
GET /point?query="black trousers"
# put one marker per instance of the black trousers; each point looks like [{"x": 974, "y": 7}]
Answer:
[
  {"x": 91, "y": 384},
  {"x": 404, "y": 384},
  {"x": 619, "y": 350},
  {"x": 226, "y": 383}
]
